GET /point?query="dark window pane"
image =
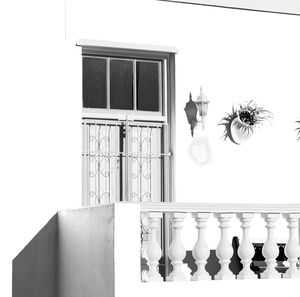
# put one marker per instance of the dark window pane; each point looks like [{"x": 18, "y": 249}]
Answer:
[
  {"x": 94, "y": 82},
  {"x": 121, "y": 84},
  {"x": 147, "y": 75}
]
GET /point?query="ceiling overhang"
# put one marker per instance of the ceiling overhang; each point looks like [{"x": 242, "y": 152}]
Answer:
[{"x": 273, "y": 6}]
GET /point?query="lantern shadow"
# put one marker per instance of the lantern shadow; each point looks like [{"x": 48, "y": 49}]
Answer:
[{"x": 200, "y": 151}]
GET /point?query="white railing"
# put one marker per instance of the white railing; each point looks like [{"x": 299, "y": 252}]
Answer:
[{"x": 174, "y": 216}]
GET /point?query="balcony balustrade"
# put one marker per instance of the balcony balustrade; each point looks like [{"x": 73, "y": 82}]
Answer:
[
  {"x": 97, "y": 251},
  {"x": 175, "y": 214}
]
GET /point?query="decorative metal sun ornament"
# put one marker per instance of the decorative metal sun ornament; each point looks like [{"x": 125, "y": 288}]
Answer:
[
  {"x": 298, "y": 130},
  {"x": 226, "y": 122},
  {"x": 240, "y": 123}
]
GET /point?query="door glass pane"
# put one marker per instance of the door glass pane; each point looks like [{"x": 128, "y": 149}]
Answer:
[
  {"x": 121, "y": 162},
  {"x": 147, "y": 75},
  {"x": 94, "y": 82},
  {"x": 121, "y": 84},
  {"x": 145, "y": 164},
  {"x": 101, "y": 156}
]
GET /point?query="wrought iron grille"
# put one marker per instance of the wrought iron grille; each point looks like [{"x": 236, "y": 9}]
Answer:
[{"x": 122, "y": 161}]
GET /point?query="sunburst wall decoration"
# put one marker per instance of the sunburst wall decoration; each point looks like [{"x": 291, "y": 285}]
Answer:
[
  {"x": 298, "y": 130},
  {"x": 240, "y": 123}
]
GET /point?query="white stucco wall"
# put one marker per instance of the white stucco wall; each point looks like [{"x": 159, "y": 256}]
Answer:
[{"x": 235, "y": 55}]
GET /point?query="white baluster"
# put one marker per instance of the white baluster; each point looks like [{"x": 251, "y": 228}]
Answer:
[
  {"x": 177, "y": 251},
  {"x": 224, "y": 250},
  {"x": 292, "y": 248},
  {"x": 246, "y": 249},
  {"x": 201, "y": 250},
  {"x": 144, "y": 240},
  {"x": 153, "y": 247},
  {"x": 270, "y": 249}
]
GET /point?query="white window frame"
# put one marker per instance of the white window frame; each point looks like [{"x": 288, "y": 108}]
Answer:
[
  {"x": 94, "y": 112},
  {"x": 167, "y": 114}
]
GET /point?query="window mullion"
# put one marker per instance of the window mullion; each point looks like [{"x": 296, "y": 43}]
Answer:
[
  {"x": 160, "y": 86},
  {"x": 165, "y": 89},
  {"x": 108, "y": 83},
  {"x": 134, "y": 86}
]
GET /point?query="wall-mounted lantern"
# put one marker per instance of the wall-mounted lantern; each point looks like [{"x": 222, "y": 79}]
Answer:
[{"x": 193, "y": 107}]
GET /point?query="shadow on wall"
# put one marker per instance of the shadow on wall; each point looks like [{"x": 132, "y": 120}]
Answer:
[
  {"x": 258, "y": 265},
  {"x": 200, "y": 151},
  {"x": 213, "y": 266}
]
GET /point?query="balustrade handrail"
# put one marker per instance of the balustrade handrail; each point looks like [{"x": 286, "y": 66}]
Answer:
[{"x": 219, "y": 207}]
